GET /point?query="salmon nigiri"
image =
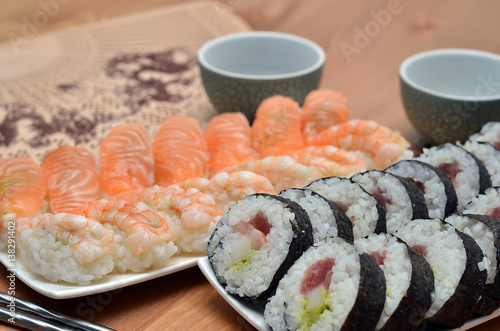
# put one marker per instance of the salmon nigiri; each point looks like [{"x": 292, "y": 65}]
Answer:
[
  {"x": 126, "y": 159},
  {"x": 180, "y": 151},
  {"x": 71, "y": 177},
  {"x": 277, "y": 127},
  {"x": 22, "y": 188},
  {"x": 323, "y": 108},
  {"x": 228, "y": 141}
]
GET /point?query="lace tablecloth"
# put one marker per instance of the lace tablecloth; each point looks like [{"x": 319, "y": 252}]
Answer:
[{"x": 71, "y": 86}]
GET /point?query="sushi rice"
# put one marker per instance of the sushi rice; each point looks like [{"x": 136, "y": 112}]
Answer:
[
  {"x": 439, "y": 193},
  {"x": 393, "y": 259},
  {"x": 445, "y": 253},
  {"x": 327, "y": 219},
  {"x": 363, "y": 209}
]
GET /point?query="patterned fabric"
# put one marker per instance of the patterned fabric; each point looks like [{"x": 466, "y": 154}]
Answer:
[{"x": 80, "y": 82}]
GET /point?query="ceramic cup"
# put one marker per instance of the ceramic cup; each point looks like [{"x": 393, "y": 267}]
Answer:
[
  {"x": 448, "y": 94},
  {"x": 240, "y": 70}
]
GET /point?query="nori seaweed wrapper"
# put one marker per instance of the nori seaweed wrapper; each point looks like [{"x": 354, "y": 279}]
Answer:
[
  {"x": 418, "y": 299},
  {"x": 370, "y": 299},
  {"x": 460, "y": 306},
  {"x": 490, "y": 298},
  {"x": 417, "y": 199}
]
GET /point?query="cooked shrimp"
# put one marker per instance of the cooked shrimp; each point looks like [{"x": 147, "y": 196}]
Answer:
[
  {"x": 193, "y": 214},
  {"x": 142, "y": 226},
  {"x": 383, "y": 145},
  {"x": 87, "y": 238},
  {"x": 22, "y": 188},
  {"x": 329, "y": 160},
  {"x": 277, "y": 127},
  {"x": 282, "y": 171},
  {"x": 322, "y": 108},
  {"x": 71, "y": 177},
  {"x": 228, "y": 188},
  {"x": 126, "y": 159},
  {"x": 180, "y": 151},
  {"x": 66, "y": 247},
  {"x": 194, "y": 208},
  {"x": 228, "y": 141}
]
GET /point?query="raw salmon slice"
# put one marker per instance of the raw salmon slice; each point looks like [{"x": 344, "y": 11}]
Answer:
[
  {"x": 277, "y": 127},
  {"x": 180, "y": 151},
  {"x": 126, "y": 159},
  {"x": 228, "y": 140},
  {"x": 71, "y": 177},
  {"x": 22, "y": 188},
  {"x": 323, "y": 108}
]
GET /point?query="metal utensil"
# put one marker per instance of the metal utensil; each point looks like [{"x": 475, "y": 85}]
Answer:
[{"x": 36, "y": 317}]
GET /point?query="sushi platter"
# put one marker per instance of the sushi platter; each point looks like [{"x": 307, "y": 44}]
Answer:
[{"x": 110, "y": 282}]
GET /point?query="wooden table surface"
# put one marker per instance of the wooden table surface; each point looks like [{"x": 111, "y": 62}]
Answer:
[{"x": 365, "y": 41}]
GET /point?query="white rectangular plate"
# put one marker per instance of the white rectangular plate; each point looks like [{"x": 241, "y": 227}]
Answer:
[
  {"x": 112, "y": 281},
  {"x": 255, "y": 317}
]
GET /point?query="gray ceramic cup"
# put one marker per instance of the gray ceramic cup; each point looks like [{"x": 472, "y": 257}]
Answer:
[
  {"x": 448, "y": 94},
  {"x": 240, "y": 70}
]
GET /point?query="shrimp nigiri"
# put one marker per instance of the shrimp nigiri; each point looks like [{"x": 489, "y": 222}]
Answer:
[
  {"x": 180, "y": 151},
  {"x": 71, "y": 177},
  {"x": 22, "y": 189},
  {"x": 277, "y": 127},
  {"x": 330, "y": 160},
  {"x": 66, "y": 247},
  {"x": 142, "y": 237},
  {"x": 323, "y": 108},
  {"x": 282, "y": 171},
  {"x": 383, "y": 145},
  {"x": 126, "y": 159},
  {"x": 228, "y": 188},
  {"x": 193, "y": 214},
  {"x": 228, "y": 140}
]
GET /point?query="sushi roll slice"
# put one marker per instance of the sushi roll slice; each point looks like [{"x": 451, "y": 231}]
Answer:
[
  {"x": 489, "y": 156},
  {"x": 330, "y": 287},
  {"x": 363, "y": 209},
  {"x": 438, "y": 190},
  {"x": 327, "y": 219},
  {"x": 486, "y": 232},
  {"x": 468, "y": 175},
  {"x": 402, "y": 199},
  {"x": 256, "y": 242},
  {"x": 454, "y": 258},
  {"x": 409, "y": 280},
  {"x": 487, "y": 203},
  {"x": 490, "y": 132}
]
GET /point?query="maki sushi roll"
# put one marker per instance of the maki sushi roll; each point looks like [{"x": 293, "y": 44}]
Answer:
[
  {"x": 401, "y": 199},
  {"x": 409, "y": 280},
  {"x": 438, "y": 190},
  {"x": 455, "y": 259},
  {"x": 486, "y": 232},
  {"x": 490, "y": 132},
  {"x": 468, "y": 175},
  {"x": 487, "y": 203},
  {"x": 330, "y": 287},
  {"x": 327, "y": 219},
  {"x": 489, "y": 156},
  {"x": 256, "y": 242},
  {"x": 363, "y": 209}
]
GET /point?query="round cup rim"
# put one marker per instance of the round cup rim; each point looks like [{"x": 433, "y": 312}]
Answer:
[
  {"x": 249, "y": 34},
  {"x": 450, "y": 51}
]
